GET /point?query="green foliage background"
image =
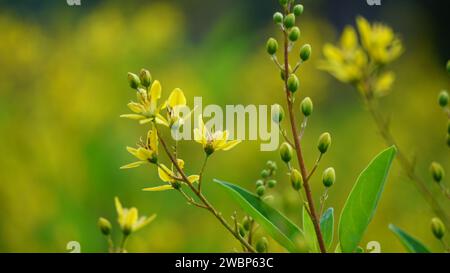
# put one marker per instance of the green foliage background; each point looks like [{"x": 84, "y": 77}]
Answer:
[{"x": 63, "y": 85}]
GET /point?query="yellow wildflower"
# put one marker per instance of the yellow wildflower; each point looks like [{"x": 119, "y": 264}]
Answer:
[
  {"x": 129, "y": 220},
  {"x": 383, "y": 84},
  {"x": 147, "y": 152},
  {"x": 212, "y": 141}
]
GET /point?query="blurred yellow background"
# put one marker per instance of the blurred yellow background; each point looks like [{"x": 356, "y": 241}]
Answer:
[{"x": 63, "y": 86}]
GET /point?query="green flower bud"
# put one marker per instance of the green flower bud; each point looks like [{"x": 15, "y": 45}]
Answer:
[
  {"x": 437, "y": 172},
  {"x": 277, "y": 113},
  {"x": 271, "y": 165},
  {"x": 286, "y": 152},
  {"x": 278, "y": 18},
  {"x": 443, "y": 98},
  {"x": 307, "y": 106},
  {"x": 328, "y": 177},
  {"x": 105, "y": 226},
  {"x": 294, "y": 34},
  {"x": 260, "y": 190},
  {"x": 289, "y": 21},
  {"x": 259, "y": 183},
  {"x": 324, "y": 142},
  {"x": 296, "y": 179},
  {"x": 283, "y": 2},
  {"x": 265, "y": 173},
  {"x": 448, "y": 66},
  {"x": 292, "y": 83},
  {"x": 271, "y": 183},
  {"x": 438, "y": 228},
  {"x": 283, "y": 74},
  {"x": 261, "y": 245},
  {"x": 246, "y": 223},
  {"x": 272, "y": 46},
  {"x": 298, "y": 10},
  {"x": 242, "y": 230},
  {"x": 305, "y": 52},
  {"x": 145, "y": 77},
  {"x": 133, "y": 80}
]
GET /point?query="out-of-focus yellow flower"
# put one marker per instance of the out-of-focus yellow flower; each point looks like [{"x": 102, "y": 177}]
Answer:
[
  {"x": 379, "y": 41},
  {"x": 383, "y": 84},
  {"x": 212, "y": 141},
  {"x": 129, "y": 220},
  {"x": 147, "y": 152},
  {"x": 346, "y": 62},
  {"x": 171, "y": 177}
]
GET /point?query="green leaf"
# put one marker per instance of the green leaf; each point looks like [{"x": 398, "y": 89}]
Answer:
[
  {"x": 277, "y": 225},
  {"x": 309, "y": 232},
  {"x": 327, "y": 227},
  {"x": 409, "y": 242},
  {"x": 362, "y": 202}
]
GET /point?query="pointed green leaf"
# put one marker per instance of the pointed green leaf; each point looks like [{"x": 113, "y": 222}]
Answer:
[
  {"x": 362, "y": 202},
  {"x": 309, "y": 232},
  {"x": 277, "y": 225},
  {"x": 409, "y": 242},
  {"x": 327, "y": 227}
]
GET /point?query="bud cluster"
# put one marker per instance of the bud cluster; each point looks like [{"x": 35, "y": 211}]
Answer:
[{"x": 267, "y": 179}]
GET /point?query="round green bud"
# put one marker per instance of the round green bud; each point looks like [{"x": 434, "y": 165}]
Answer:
[
  {"x": 296, "y": 179},
  {"x": 437, "y": 172},
  {"x": 265, "y": 173},
  {"x": 294, "y": 34},
  {"x": 145, "y": 77},
  {"x": 261, "y": 245},
  {"x": 298, "y": 10},
  {"x": 277, "y": 113},
  {"x": 105, "y": 226},
  {"x": 305, "y": 52},
  {"x": 271, "y": 183},
  {"x": 133, "y": 80},
  {"x": 438, "y": 228},
  {"x": 324, "y": 142},
  {"x": 259, "y": 183},
  {"x": 286, "y": 152},
  {"x": 292, "y": 83},
  {"x": 289, "y": 20},
  {"x": 242, "y": 230},
  {"x": 271, "y": 165},
  {"x": 443, "y": 98},
  {"x": 272, "y": 46},
  {"x": 246, "y": 223},
  {"x": 278, "y": 18},
  {"x": 283, "y": 2},
  {"x": 260, "y": 190},
  {"x": 307, "y": 106},
  {"x": 328, "y": 177},
  {"x": 448, "y": 66},
  {"x": 283, "y": 74}
]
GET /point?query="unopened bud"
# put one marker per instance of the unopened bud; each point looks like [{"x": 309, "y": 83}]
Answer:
[
  {"x": 438, "y": 228},
  {"x": 105, "y": 226},
  {"x": 277, "y": 113},
  {"x": 265, "y": 173},
  {"x": 283, "y": 2},
  {"x": 272, "y": 46},
  {"x": 259, "y": 183},
  {"x": 260, "y": 190},
  {"x": 328, "y": 177},
  {"x": 286, "y": 152},
  {"x": 133, "y": 80},
  {"x": 246, "y": 223},
  {"x": 298, "y": 10},
  {"x": 283, "y": 73},
  {"x": 289, "y": 20},
  {"x": 242, "y": 230},
  {"x": 292, "y": 83},
  {"x": 443, "y": 98},
  {"x": 261, "y": 245},
  {"x": 305, "y": 52},
  {"x": 145, "y": 77},
  {"x": 296, "y": 179},
  {"x": 324, "y": 142},
  {"x": 278, "y": 18},
  {"x": 294, "y": 34},
  {"x": 307, "y": 106},
  {"x": 437, "y": 172},
  {"x": 271, "y": 183}
]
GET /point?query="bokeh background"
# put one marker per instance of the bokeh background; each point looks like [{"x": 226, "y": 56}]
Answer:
[{"x": 63, "y": 86}]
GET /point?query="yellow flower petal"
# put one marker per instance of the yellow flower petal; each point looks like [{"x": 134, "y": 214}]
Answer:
[
  {"x": 143, "y": 221},
  {"x": 133, "y": 165},
  {"x": 165, "y": 174},
  {"x": 349, "y": 40},
  {"x": 176, "y": 98},
  {"x": 136, "y": 107},
  {"x": 230, "y": 145},
  {"x": 161, "y": 120},
  {"x": 159, "y": 188},
  {"x": 119, "y": 207},
  {"x": 180, "y": 163},
  {"x": 152, "y": 138},
  {"x": 144, "y": 154},
  {"x": 145, "y": 121},
  {"x": 193, "y": 178},
  {"x": 155, "y": 94},
  {"x": 130, "y": 219},
  {"x": 133, "y": 116}
]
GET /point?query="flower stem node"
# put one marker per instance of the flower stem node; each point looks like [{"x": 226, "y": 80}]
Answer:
[
  {"x": 278, "y": 18},
  {"x": 286, "y": 152},
  {"x": 272, "y": 46},
  {"x": 277, "y": 113},
  {"x": 437, "y": 172},
  {"x": 307, "y": 106},
  {"x": 305, "y": 52},
  {"x": 145, "y": 77},
  {"x": 261, "y": 190},
  {"x": 289, "y": 21},
  {"x": 298, "y": 10},
  {"x": 443, "y": 98},
  {"x": 324, "y": 142},
  {"x": 261, "y": 245},
  {"x": 294, "y": 34},
  {"x": 438, "y": 228},
  {"x": 133, "y": 80},
  {"x": 328, "y": 177},
  {"x": 105, "y": 226},
  {"x": 296, "y": 179},
  {"x": 293, "y": 83}
]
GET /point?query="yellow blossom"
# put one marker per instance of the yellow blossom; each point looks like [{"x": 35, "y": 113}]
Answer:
[
  {"x": 129, "y": 220},
  {"x": 147, "y": 152}
]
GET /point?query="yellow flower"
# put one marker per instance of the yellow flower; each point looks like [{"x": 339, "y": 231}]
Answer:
[
  {"x": 129, "y": 220},
  {"x": 172, "y": 178},
  {"x": 147, "y": 152},
  {"x": 173, "y": 104},
  {"x": 379, "y": 41},
  {"x": 212, "y": 141},
  {"x": 383, "y": 84},
  {"x": 347, "y": 62}
]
